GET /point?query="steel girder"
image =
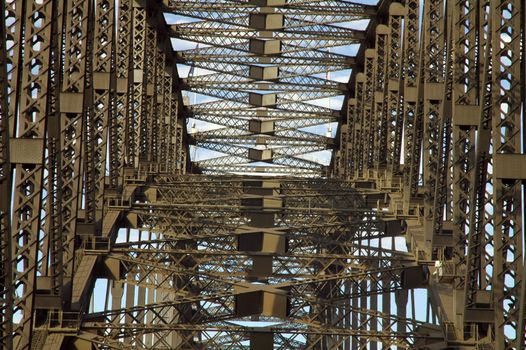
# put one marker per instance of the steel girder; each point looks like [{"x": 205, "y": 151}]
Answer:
[
  {"x": 445, "y": 93},
  {"x": 216, "y": 251},
  {"x": 68, "y": 98},
  {"x": 95, "y": 185}
]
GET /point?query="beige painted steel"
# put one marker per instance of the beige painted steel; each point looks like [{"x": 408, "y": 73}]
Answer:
[{"x": 423, "y": 196}]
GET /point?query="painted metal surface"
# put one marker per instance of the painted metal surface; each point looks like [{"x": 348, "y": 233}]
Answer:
[{"x": 262, "y": 247}]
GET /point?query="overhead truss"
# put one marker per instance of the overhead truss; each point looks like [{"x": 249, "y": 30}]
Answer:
[
  {"x": 114, "y": 236},
  {"x": 266, "y": 58}
]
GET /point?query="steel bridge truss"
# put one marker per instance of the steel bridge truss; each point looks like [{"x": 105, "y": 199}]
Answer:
[
  {"x": 267, "y": 62},
  {"x": 112, "y": 236}
]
